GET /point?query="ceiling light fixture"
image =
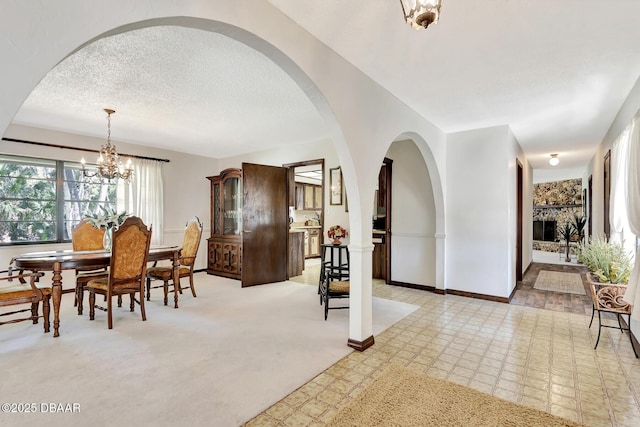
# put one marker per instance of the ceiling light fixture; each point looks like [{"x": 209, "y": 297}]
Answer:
[
  {"x": 421, "y": 13},
  {"x": 108, "y": 165},
  {"x": 554, "y": 160}
]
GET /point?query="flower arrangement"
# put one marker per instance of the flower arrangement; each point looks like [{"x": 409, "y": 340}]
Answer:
[
  {"x": 108, "y": 219},
  {"x": 336, "y": 232},
  {"x": 608, "y": 262}
]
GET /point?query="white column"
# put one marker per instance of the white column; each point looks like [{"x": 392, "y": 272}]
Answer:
[
  {"x": 360, "y": 299},
  {"x": 440, "y": 261}
]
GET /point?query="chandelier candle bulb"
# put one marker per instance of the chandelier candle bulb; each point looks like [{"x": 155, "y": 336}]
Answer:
[{"x": 109, "y": 166}]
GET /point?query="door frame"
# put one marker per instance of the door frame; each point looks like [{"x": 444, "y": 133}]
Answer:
[{"x": 292, "y": 186}]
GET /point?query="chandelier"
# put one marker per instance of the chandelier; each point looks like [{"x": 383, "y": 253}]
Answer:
[
  {"x": 421, "y": 13},
  {"x": 108, "y": 165}
]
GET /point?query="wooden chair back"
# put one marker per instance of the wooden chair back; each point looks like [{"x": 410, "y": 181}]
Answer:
[
  {"x": 191, "y": 241},
  {"x": 86, "y": 237},
  {"x": 129, "y": 254}
]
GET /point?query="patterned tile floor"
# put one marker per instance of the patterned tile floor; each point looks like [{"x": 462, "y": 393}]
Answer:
[{"x": 539, "y": 358}]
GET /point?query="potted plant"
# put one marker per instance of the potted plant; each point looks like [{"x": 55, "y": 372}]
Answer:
[
  {"x": 336, "y": 232},
  {"x": 579, "y": 222},
  {"x": 607, "y": 262},
  {"x": 109, "y": 219},
  {"x": 567, "y": 231}
]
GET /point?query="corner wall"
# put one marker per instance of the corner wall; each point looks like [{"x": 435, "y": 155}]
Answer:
[
  {"x": 413, "y": 227},
  {"x": 481, "y": 174}
]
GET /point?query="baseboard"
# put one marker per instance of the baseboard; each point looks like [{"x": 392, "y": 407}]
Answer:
[
  {"x": 512, "y": 293},
  {"x": 413, "y": 286},
  {"x": 200, "y": 270},
  {"x": 477, "y": 296},
  {"x": 453, "y": 292},
  {"x": 361, "y": 345}
]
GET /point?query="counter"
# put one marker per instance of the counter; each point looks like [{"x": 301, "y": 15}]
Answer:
[{"x": 296, "y": 252}]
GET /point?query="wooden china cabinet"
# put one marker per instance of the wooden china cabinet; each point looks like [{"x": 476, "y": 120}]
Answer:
[{"x": 224, "y": 248}]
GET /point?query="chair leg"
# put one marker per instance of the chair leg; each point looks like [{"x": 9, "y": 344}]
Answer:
[
  {"x": 166, "y": 291},
  {"x": 34, "y": 312},
  {"x": 193, "y": 288},
  {"x": 148, "y": 289},
  {"x": 110, "y": 310},
  {"x": 142, "y": 311},
  {"x": 119, "y": 300},
  {"x": 79, "y": 297},
  {"x": 619, "y": 323},
  {"x": 593, "y": 311},
  {"x": 599, "y": 330},
  {"x": 132, "y": 304},
  {"x": 92, "y": 305},
  {"x": 326, "y": 303},
  {"x": 45, "y": 313}
]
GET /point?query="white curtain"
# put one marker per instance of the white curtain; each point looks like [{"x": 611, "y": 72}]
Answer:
[
  {"x": 620, "y": 232},
  {"x": 632, "y": 294},
  {"x": 144, "y": 196}
]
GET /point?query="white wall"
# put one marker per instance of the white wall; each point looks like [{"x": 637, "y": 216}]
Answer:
[
  {"x": 333, "y": 214},
  {"x": 413, "y": 243},
  {"x": 186, "y": 189},
  {"x": 479, "y": 251}
]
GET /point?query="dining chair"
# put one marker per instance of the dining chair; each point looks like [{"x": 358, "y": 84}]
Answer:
[
  {"x": 188, "y": 252},
  {"x": 23, "y": 292},
  {"x": 86, "y": 237},
  {"x": 333, "y": 288},
  {"x": 127, "y": 268},
  {"x": 607, "y": 298}
]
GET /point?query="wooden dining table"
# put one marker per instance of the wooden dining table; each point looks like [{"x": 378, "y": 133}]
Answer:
[{"x": 56, "y": 261}]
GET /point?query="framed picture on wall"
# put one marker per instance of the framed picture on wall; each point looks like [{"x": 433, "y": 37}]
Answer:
[{"x": 335, "y": 184}]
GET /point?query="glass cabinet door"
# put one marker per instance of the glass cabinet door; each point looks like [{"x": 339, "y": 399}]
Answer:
[
  {"x": 216, "y": 208},
  {"x": 232, "y": 205}
]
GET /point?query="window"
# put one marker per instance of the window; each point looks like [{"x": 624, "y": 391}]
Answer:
[{"x": 41, "y": 200}]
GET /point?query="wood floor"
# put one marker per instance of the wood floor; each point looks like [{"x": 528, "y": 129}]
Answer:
[{"x": 526, "y": 295}]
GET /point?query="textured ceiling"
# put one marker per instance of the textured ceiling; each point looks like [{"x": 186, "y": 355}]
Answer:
[
  {"x": 177, "y": 88},
  {"x": 555, "y": 72}
]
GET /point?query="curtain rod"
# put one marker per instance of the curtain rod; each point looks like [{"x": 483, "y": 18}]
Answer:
[{"x": 46, "y": 144}]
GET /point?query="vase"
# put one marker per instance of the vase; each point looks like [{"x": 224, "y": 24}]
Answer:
[
  {"x": 106, "y": 240},
  {"x": 336, "y": 241}
]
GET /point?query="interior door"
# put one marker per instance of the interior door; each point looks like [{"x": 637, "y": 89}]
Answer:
[{"x": 265, "y": 220}]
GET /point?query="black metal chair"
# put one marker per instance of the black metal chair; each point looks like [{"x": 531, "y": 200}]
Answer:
[
  {"x": 335, "y": 263},
  {"x": 333, "y": 288}
]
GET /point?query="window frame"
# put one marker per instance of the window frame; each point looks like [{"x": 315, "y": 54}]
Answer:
[{"x": 60, "y": 200}]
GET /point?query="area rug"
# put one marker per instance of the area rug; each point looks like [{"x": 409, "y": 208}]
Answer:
[
  {"x": 570, "y": 283},
  {"x": 403, "y": 397}
]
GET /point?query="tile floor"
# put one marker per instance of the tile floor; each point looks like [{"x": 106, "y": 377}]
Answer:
[{"x": 539, "y": 358}]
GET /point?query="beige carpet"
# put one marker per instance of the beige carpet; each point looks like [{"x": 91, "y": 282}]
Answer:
[
  {"x": 403, "y": 397},
  {"x": 570, "y": 283},
  {"x": 219, "y": 360}
]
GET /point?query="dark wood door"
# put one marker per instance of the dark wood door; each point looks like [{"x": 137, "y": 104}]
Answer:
[
  {"x": 265, "y": 224},
  {"x": 519, "y": 196},
  {"x": 607, "y": 193}
]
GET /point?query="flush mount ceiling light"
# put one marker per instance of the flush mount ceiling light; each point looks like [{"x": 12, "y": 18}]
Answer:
[
  {"x": 554, "y": 160},
  {"x": 421, "y": 13},
  {"x": 108, "y": 165}
]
